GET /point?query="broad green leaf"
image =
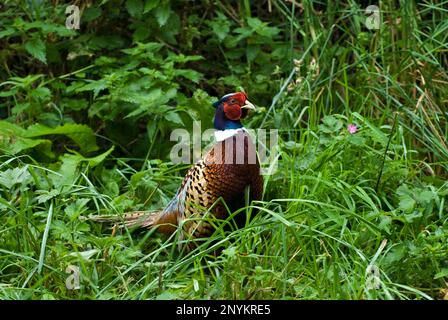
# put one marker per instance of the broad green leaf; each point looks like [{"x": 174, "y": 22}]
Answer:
[
  {"x": 442, "y": 274},
  {"x": 24, "y": 82},
  {"x": 95, "y": 86},
  {"x": 91, "y": 14},
  {"x": 7, "y": 32},
  {"x": 189, "y": 74},
  {"x": 220, "y": 26},
  {"x": 73, "y": 210},
  {"x": 68, "y": 171},
  {"x": 13, "y": 140},
  {"x": 8, "y": 93},
  {"x": 252, "y": 51},
  {"x": 262, "y": 28},
  {"x": 66, "y": 175},
  {"x": 150, "y": 4},
  {"x": 162, "y": 14},
  {"x": 330, "y": 124},
  {"x": 395, "y": 254},
  {"x": 174, "y": 118},
  {"x": 44, "y": 195},
  {"x": 11, "y": 177},
  {"x": 385, "y": 223},
  {"x": 153, "y": 102},
  {"x": 414, "y": 215},
  {"x": 425, "y": 196},
  {"x": 75, "y": 104},
  {"x": 407, "y": 204},
  {"x": 36, "y": 47},
  {"x": 99, "y": 158},
  {"x": 134, "y": 7},
  {"x": 41, "y": 93},
  {"x": 85, "y": 255},
  {"x": 81, "y": 134},
  {"x": 293, "y": 146},
  {"x": 181, "y": 58}
]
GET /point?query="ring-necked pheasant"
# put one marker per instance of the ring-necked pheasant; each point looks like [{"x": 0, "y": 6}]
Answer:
[{"x": 220, "y": 178}]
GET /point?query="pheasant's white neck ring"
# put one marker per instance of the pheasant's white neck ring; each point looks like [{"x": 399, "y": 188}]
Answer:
[{"x": 221, "y": 135}]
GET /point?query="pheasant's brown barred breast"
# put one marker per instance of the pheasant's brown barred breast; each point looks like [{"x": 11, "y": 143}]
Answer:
[{"x": 221, "y": 174}]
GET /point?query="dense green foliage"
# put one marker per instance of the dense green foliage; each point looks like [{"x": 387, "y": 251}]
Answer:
[{"x": 86, "y": 117}]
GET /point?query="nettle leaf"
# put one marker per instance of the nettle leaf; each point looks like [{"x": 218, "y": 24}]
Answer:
[
  {"x": 150, "y": 4},
  {"x": 47, "y": 27},
  {"x": 41, "y": 93},
  {"x": 262, "y": 28},
  {"x": 95, "y": 86},
  {"x": 189, "y": 74},
  {"x": 220, "y": 26},
  {"x": 73, "y": 210},
  {"x": 174, "y": 118},
  {"x": 36, "y": 47},
  {"x": 67, "y": 173},
  {"x": 385, "y": 223},
  {"x": 85, "y": 255},
  {"x": 252, "y": 52},
  {"x": 25, "y": 82},
  {"x": 75, "y": 104},
  {"x": 13, "y": 140},
  {"x": 293, "y": 146},
  {"x": 442, "y": 274},
  {"x": 330, "y": 124},
  {"x": 232, "y": 42},
  {"x": 91, "y": 14},
  {"x": 181, "y": 58},
  {"x": 407, "y": 204},
  {"x": 134, "y": 7},
  {"x": 44, "y": 195},
  {"x": 20, "y": 108},
  {"x": 154, "y": 102},
  {"x": 81, "y": 134},
  {"x": 424, "y": 197},
  {"x": 9, "y": 93},
  {"x": 144, "y": 48},
  {"x": 395, "y": 254},
  {"x": 162, "y": 14},
  {"x": 99, "y": 158},
  {"x": 7, "y": 32},
  {"x": 11, "y": 177}
]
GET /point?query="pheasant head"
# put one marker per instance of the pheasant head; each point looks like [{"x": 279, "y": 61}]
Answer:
[{"x": 230, "y": 109}]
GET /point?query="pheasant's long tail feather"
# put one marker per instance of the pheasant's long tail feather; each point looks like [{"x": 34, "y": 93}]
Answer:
[{"x": 166, "y": 221}]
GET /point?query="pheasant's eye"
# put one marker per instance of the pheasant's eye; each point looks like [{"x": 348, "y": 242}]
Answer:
[{"x": 232, "y": 101}]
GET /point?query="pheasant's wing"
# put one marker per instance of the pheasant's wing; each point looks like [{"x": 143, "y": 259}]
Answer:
[{"x": 192, "y": 197}]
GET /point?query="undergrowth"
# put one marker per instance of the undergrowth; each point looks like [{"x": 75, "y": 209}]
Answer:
[{"x": 85, "y": 130}]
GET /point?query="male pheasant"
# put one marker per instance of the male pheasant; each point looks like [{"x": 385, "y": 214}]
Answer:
[{"x": 219, "y": 179}]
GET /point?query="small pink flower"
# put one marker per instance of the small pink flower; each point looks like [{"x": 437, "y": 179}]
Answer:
[{"x": 352, "y": 128}]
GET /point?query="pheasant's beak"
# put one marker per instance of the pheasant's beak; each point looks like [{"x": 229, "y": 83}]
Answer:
[{"x": 248, "y": 105}]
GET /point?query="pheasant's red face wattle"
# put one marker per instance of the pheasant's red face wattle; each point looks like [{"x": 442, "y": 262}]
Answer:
[
  {"x": 232, "y": 111},
  {"x": 234, "y": 104}
]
